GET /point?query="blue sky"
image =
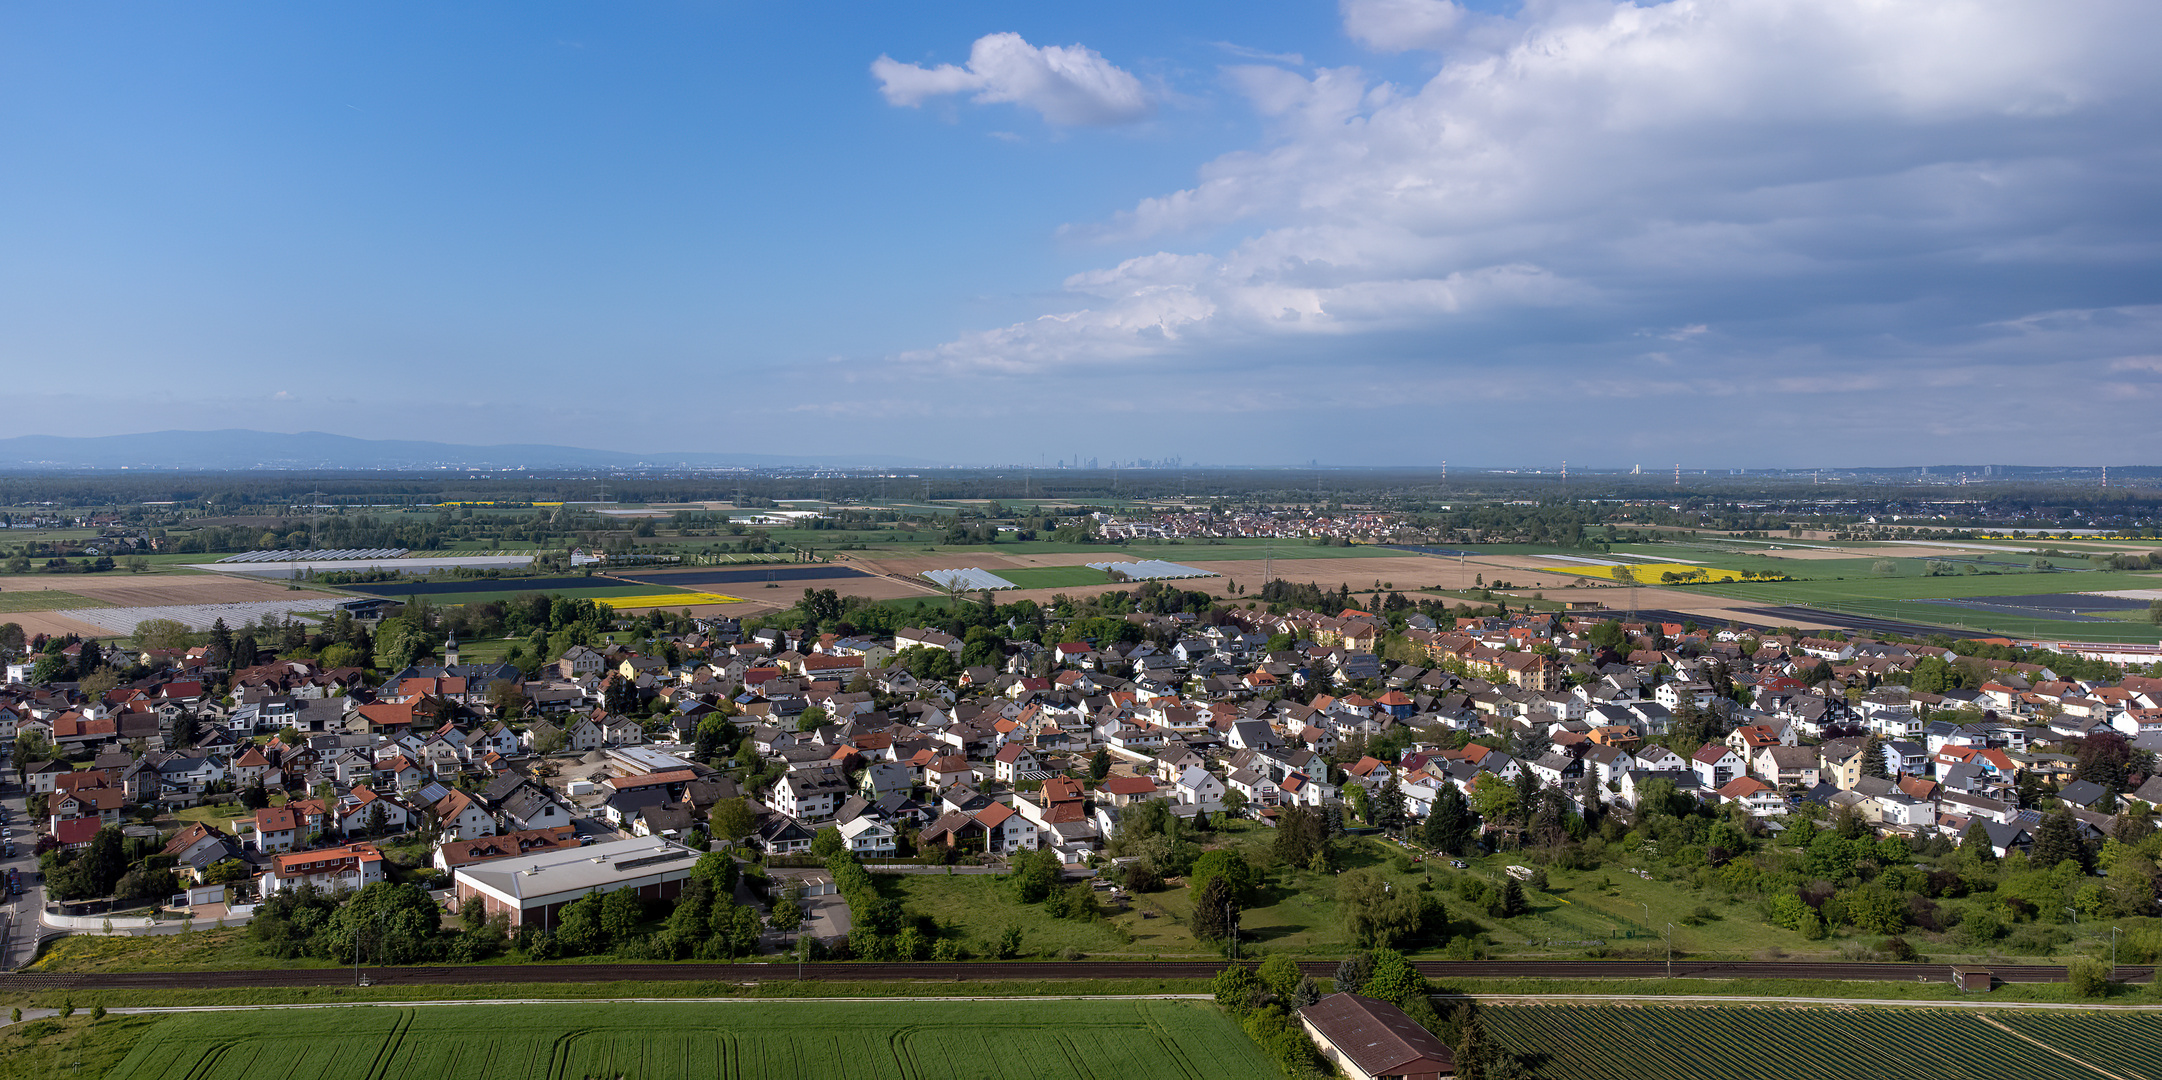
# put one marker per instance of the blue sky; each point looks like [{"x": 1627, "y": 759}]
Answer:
[{"x": 1773, "y": 232}]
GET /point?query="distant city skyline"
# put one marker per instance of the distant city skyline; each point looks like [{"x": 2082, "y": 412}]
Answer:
[{"x": 1776, "y": 233}]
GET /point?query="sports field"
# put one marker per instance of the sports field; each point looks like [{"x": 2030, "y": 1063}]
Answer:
[
  {"x": 812, "y": 1040},
  {"x": 1673, "y": 1042}
]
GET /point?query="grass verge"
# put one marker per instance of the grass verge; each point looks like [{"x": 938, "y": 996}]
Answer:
[{"x": 779, "y": 986}]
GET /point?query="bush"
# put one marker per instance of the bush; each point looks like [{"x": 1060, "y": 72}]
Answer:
[
  {"x": 1008, "y": 944},
  {"x": 1981, "y": 928},
  {"x": 1141, "y": 877},
  {"x": 2036, "y": 940},
  {"x": 2088, "y": 978},
  {"x": 1234, "y": 988},
  {"x": 1280, "y": 974}
]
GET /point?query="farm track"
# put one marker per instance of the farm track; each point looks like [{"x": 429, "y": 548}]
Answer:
[{"x": 1054, "y": 970}]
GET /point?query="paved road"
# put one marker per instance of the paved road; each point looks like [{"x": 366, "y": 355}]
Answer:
[
  {"x": 19, "y": 913},
  {"x": 782, "y": 970}
]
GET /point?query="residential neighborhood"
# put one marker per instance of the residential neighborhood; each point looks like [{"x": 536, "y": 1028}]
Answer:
[{"x": 1244, "y": 712}]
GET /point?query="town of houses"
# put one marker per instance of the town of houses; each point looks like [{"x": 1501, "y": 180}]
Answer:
[{"x": 1198, "y": 713}]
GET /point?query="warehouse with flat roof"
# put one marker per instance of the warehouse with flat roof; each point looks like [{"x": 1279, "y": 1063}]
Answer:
[{"x": 531, "y": 889}]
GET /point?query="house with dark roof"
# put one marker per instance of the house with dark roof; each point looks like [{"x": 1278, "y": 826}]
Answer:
[{"x": 1368, "y": 1039}]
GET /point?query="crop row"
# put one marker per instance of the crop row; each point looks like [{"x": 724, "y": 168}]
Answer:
[
  {"x": 779, "y": 1040},
  {"x": 1570, "y": 1042},
  {"x": 2126, "y": 1043}
]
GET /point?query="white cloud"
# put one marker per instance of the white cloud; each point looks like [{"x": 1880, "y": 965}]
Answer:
[
  {"x": 1068, "y": 85},
  {"x": 1245, "y": 52},
  {"x": 1848, "y": 190},
  {"x": 1398, "y": 25}
]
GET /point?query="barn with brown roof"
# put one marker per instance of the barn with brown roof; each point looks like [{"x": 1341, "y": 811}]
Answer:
[{"x": 1369, "y": 1039}]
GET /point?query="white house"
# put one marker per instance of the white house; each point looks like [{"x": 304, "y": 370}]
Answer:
[
  {"x": 868, "y": 837},
  {"x": 810, "y": 794},
  {"x": 1198, "y": 787},
  {"x": 1011, "y": 761},
  {"x": 351, "y": 866},
  {"x": 1716, "y": 764}
]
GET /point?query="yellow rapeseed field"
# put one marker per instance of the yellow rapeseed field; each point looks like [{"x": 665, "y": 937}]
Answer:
[{"x": 669, "y": 600}]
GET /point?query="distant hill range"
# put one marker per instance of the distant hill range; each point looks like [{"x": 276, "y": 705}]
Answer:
[{"x": 310, "y": 450}]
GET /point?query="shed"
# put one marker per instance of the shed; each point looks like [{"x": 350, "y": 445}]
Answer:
[{"x": 1368, "y": 1039}]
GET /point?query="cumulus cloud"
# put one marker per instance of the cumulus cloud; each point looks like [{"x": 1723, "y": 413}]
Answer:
[
  {"x": 1399, "y": 25},
  {"x": 1848, "y": 185},
  {"x": 1068, "y": 84}
]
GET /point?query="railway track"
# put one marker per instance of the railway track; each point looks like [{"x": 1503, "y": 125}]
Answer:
[{"x": 935, "y": 973}]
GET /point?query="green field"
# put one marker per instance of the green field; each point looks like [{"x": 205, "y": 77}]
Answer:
[
  {"x": 1666, "y": 1042},
  {"x": 983, "y": 905},
  {"x": 2123, "y": 1044},
  {"x": 814, "y": 1040},
  {"x": 46, "y": 600},
  {"x": 1055, "y": 577},
  {"x": 1298, "y": 913},
  {"x": 1907, "y": 598},
  {"x": 487, "y": 590}
]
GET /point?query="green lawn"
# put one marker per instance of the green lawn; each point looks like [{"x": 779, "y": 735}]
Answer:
[
  {"x": 1611, "y": 906},
  {"x": 807, "y": 1039},
  {"x": 977, "y": 907},
  {"x": 1630, "y": 913},
  {"x": 202, "y": 950},
  {"x": 219, "y": 814},
  {"x": 1298, "y": 914}
]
